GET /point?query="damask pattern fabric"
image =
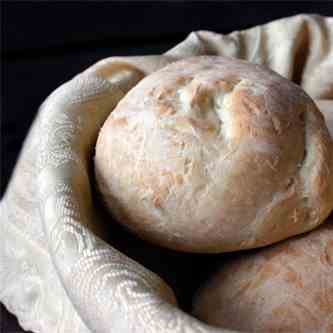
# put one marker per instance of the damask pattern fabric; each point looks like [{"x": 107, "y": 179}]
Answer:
[{"x": 57, "y": 273}]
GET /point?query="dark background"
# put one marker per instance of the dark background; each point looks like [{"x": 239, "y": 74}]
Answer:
[{"x": 46, "y": 44}]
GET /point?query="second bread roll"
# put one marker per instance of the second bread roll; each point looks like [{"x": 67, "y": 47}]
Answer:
[
  {"x": 213, "y": 154},
  {"x": 284, "y": 288}
]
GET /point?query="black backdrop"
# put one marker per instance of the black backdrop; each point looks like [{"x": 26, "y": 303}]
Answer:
[{"x": 45, "y": 44}]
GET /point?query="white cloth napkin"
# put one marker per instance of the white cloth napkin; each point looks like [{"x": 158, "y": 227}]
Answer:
[{"x": 57, "y": 274}]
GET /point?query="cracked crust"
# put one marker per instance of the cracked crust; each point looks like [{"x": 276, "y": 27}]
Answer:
[
  {"x": 213, "y": 154},
  {"x": 285, "y": 288}
]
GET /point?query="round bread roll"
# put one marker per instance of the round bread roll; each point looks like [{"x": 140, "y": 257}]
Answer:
[
  {"x": 214, "y": 154},
  {"x": 285, "y": 288}
]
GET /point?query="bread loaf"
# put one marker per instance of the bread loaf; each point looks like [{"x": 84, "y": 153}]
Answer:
[
  {"x": 284, "y": 288},
  {"x": 214, "y": 154}
]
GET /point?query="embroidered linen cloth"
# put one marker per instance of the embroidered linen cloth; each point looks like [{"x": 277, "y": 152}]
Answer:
[{"x": 57, "y": 273}]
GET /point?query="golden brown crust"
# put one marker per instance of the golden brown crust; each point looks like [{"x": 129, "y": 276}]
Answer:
[
  {"x": 285, "y": 288},
  {"x": 213, "y": 154}
]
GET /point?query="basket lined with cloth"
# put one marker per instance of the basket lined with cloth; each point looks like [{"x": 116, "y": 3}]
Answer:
[{"x": 59, "y": 271}]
